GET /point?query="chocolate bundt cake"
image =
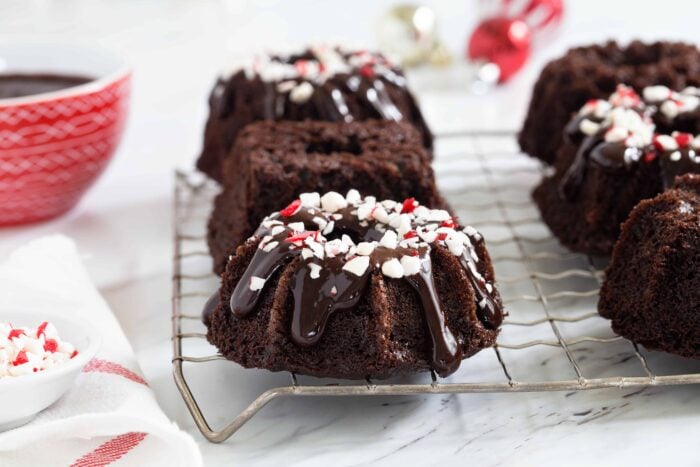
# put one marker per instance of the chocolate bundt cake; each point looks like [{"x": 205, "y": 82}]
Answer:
[
  {"x": 617, "y": 152},
  {"x": 272, "y": 162},
  {"x": 652, "y": 286},
  {"x": 321, "y": 83},
  {"x": 593, "y": 72},
  {"x": 348, "y": 287}
]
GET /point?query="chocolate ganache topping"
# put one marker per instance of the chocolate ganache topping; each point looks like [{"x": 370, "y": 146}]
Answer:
[
  {"x": 317, "y": 77},
  {"x": 339, "y": 241},
  {"x": 619, "y": 133}
]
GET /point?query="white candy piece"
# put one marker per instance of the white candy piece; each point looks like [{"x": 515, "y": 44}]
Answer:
[
  {"x": 297, "y": 226},
  {"x": 589, "y": 127},
  {"x": 286, "y": 86},
  {"x": 311, "y": 200},
  {"x": 256, "y": 283},
  {"x": 353, "y": 197},
  {"x": 668, "y": 143},
  {"x": 270, "y": 246},
  {"x": 455, "y": 244},
  {"x": 410, "y": 265},
  {"x": 315, "y": 270},
  {"x": 696, "y": 143},
  {"x": 670, "y": 109},
  {"x": 656, "y": 93},
  {"x": 329, "y": 228},
  {"x": 301, "y": 93},
  {"x": 389, "y": 240},
  {"x": 381, "y": 215},
  {"x": 333, "y": 201},
  {"x": 364, "y": 248},
  {"x": 357, "y": 266},
  {"x": 392, "y": 268},
  {"x": 616, "y": 134}
]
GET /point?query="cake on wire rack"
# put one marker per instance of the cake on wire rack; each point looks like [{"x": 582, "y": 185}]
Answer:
[{"x": 550, "y": 293}]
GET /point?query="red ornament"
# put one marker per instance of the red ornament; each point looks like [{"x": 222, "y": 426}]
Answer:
[{"x": 504, "y": 40}]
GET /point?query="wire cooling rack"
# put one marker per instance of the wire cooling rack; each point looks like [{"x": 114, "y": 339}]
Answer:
[{"x": 552, "y": 340}]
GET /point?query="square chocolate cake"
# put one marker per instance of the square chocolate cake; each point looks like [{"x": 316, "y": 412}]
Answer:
[{"x": 272, "y": 163}]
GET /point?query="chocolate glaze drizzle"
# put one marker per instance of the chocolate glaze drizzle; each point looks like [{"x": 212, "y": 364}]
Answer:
[
  {"x": 332, "y": 74},
  {"x": 596, "y": 148},
  {"x": 336, "y": 253}
]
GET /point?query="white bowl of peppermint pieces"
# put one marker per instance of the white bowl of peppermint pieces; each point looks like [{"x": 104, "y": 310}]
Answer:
[{"x": 40, "y": 358}]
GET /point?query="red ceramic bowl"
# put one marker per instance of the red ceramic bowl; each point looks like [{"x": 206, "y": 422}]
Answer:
[{"x": 54, "y": 145}]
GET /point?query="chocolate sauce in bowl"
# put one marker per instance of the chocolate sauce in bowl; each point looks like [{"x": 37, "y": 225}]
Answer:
[{"x": 29, "y": 84}]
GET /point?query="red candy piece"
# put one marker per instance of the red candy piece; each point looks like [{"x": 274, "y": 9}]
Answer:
[
  {"x": 301, "y": 236},
  {"x": 367, "y": 71},
  {"x": 75, "y": 352},
  {"x": 657, "y": 144},
  {"x": 16, "y": 333},
  {"x": 292, "y": 209},
  {"x": 21, "y": 358},
  {"x": 300, "y": 65},
  {"x": 683, "y": 139},
  {"x": 650, "y": 156},
  {"x": 442, "y": 236},
  {"x": 410, "y": 234},
  {"x": 449, "y": 223},
  {"x": 51, "y": 345},
  {"x": 41, "y": 329},
  {"x": 409, "y": 205}
]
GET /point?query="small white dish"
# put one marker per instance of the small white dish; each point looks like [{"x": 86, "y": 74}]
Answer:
[{"x": 23, "y": 397}]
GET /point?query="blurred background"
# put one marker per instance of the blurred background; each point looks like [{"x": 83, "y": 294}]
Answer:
[{"x": 177, "y": 47}]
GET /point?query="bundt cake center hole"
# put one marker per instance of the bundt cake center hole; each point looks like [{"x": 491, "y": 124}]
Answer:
[{"x": 327, "y": 147}]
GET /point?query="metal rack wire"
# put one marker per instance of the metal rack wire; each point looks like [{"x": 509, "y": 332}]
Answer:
[{"x": 550, "y": 293}]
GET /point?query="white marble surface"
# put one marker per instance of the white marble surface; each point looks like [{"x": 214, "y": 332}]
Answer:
[{"x": 124, "y": 229}]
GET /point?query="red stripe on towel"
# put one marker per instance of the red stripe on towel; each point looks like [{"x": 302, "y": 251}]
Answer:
[
  {"x": 104, "y": 366},
  {"x": 111, "y": 451}
]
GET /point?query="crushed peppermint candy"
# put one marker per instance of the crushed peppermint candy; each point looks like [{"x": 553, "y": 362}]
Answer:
[
  {"x": 327, "y": 268},
  {"x": 627, "y": 119},
  {"x": 297, "y": 73},
  {"x": 25, "y": 350},
  {"x": 403, "y": 232}
]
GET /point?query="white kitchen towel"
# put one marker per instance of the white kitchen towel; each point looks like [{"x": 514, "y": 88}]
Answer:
[{"x": 110, "y": 416}]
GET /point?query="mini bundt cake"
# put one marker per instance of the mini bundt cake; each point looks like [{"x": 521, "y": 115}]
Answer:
[
  {"x": 349, "y": 287},
  {"x": 652, "y": 286},
  {"x": 321, "y": 83},
  {"x": 593, "y": 72},
  {"x": 272, "y": 162},
  {"x": 617, "y": 152}
]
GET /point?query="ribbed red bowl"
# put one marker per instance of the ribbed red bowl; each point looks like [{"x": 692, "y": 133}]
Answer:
[{"x": 54, "y": 146}]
